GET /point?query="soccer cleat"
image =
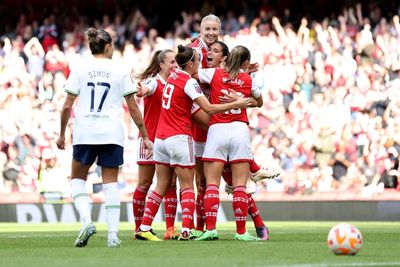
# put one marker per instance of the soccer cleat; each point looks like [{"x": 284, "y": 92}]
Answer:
[
  {"x": 265, "y": 173},
  {"x": 184, "y": 236},
  {"x": 84, "y": 235},
  {"x": 251, "y": 187},
  {"x": 114, "y": 242},
  {"x": 147, "y": 235},
  {"x": 208, "y": 235},
  {"x": 171, "y": 233},
  {"x": 246, "y": 237},
  {"x": 195, "y": 233},
  {"x": 262, "y": 233},
  {"x": 229, "y": 189}
]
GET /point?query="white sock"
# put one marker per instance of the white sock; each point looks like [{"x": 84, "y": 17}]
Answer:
[
  {"x": 81, "y": 200},
  {"x": 112, "y": 205},
  {"x": 145, "y": 228}
]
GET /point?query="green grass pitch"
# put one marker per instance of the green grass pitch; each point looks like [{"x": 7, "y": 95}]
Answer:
[{"x": 291, "y": 244}]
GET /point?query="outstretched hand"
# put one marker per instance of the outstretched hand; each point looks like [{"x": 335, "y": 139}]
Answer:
[
  {"x": 142, "y": 90},
  {"x": 253, "y": 68}
]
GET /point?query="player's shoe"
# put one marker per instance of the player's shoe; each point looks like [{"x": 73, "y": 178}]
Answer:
[
  {"x": 147, "y": 235},
  {"x": 184, "y": 236},
  {"x": 262, "y": 233},
  {"x": 86, "y": 232},
  {"x": 195, "y": 233},
  {"x": 171, "y": 233},
  {"x": 208, "y": 235},
  {"x": 246, "y": 237},
  {"x": 265, "y": 173},
  {"x": 114, "y": 242},
  {"x": 251, "y": 187},
  {"x": 229, "y": 189}
]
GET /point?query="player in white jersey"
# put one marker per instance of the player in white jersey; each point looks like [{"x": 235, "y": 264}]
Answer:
[{"x": 101, "y": 85}]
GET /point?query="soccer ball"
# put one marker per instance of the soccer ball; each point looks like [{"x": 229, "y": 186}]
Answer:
[{"x": 344, "y": 239}]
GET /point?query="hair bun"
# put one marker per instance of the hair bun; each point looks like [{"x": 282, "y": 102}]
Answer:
[
  {"x": 181, "y": 48},
  {"x": 92, "y": 32}
]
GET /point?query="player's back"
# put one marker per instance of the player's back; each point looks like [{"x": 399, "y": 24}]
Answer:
[
  {"x": 242, "y": 84},
  {"x": 176, "y": 107},
  {"x": 100, "y": 84}
]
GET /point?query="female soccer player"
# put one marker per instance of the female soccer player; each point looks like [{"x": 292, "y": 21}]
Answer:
[
  {"x": 98, "y": 134},
  {"x": 234, "y": 146},
  {"x": 216, "y": 57},
  {"x": 154, "y": 79},
  {"x": 210, "y": 28},
  {"x": 174, "y": 143}
]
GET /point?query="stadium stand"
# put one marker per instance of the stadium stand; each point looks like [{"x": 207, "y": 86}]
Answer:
[{"x": 331, "y": 117}]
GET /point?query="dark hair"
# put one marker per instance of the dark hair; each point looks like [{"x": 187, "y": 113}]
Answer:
[
  {"x": 184, "y": 55},
  {"x": 239, "y": 54},
  {"x": 98, "y": 39},
  {"x": 154, "y": 66},
  {"x": 225, "y": 49}
]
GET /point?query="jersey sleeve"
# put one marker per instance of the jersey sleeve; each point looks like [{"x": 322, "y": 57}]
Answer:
[
  {"x": 206, "y": 75},
  {"x": 73, "y": 85},
  {"x": 151, "y": 83},
  {"x": 129, "y": 86},
  {"x": 195, "y": 108},
  {"x": 255, "y": 90},
  {"x": 192, "y": 89}
]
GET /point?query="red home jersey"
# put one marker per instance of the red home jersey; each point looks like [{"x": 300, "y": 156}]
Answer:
[
  {"x": 200, "y": 135},
  {"x": 176, "y": 103},
  {"x": 200, "y": 46},
  {"x": 152, "y": 105},
  {"x": 220, "y": 80}
]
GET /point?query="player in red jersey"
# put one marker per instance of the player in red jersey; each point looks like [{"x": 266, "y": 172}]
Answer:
[
  {"x": 210, "y": 28},
  {"x": 234, "y": 146},
  {"x": 154, "y": 79},
  {"x": 216, "y": 57},
  {"x": 173, "y": 146}
]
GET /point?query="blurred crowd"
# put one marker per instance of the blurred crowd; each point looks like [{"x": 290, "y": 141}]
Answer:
[{"x": 331, "y": 89}]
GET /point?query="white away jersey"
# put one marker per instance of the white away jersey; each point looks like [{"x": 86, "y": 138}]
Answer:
[{"x": 101, "y": 85}]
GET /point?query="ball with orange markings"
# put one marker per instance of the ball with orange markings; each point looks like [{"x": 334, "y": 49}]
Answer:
[{"x": 344, "y": 239}]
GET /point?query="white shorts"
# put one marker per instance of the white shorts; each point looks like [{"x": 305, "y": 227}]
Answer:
[
  {"x": 177, "y": 150},
  {"x": 199, "y": 149},
  {"x": 141, "y": 153},
  {"x": 228, "y": 142}
]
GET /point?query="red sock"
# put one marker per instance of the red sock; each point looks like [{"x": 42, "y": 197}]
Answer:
[
  {"x": 152, "y": 205},
  {"x": 138, "y": 201},
  {"x": 254, "y": 212},
  {"x": 211, "y": 205},
  {"x": 254, "y": 167},
  {"x": 170, "y": 203},
  {"x": 187, "y": 205},
  {"x": 240, "y": 208},
  {"x": 200, "y": 212},
  {"x": 227, "y": 174}
]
